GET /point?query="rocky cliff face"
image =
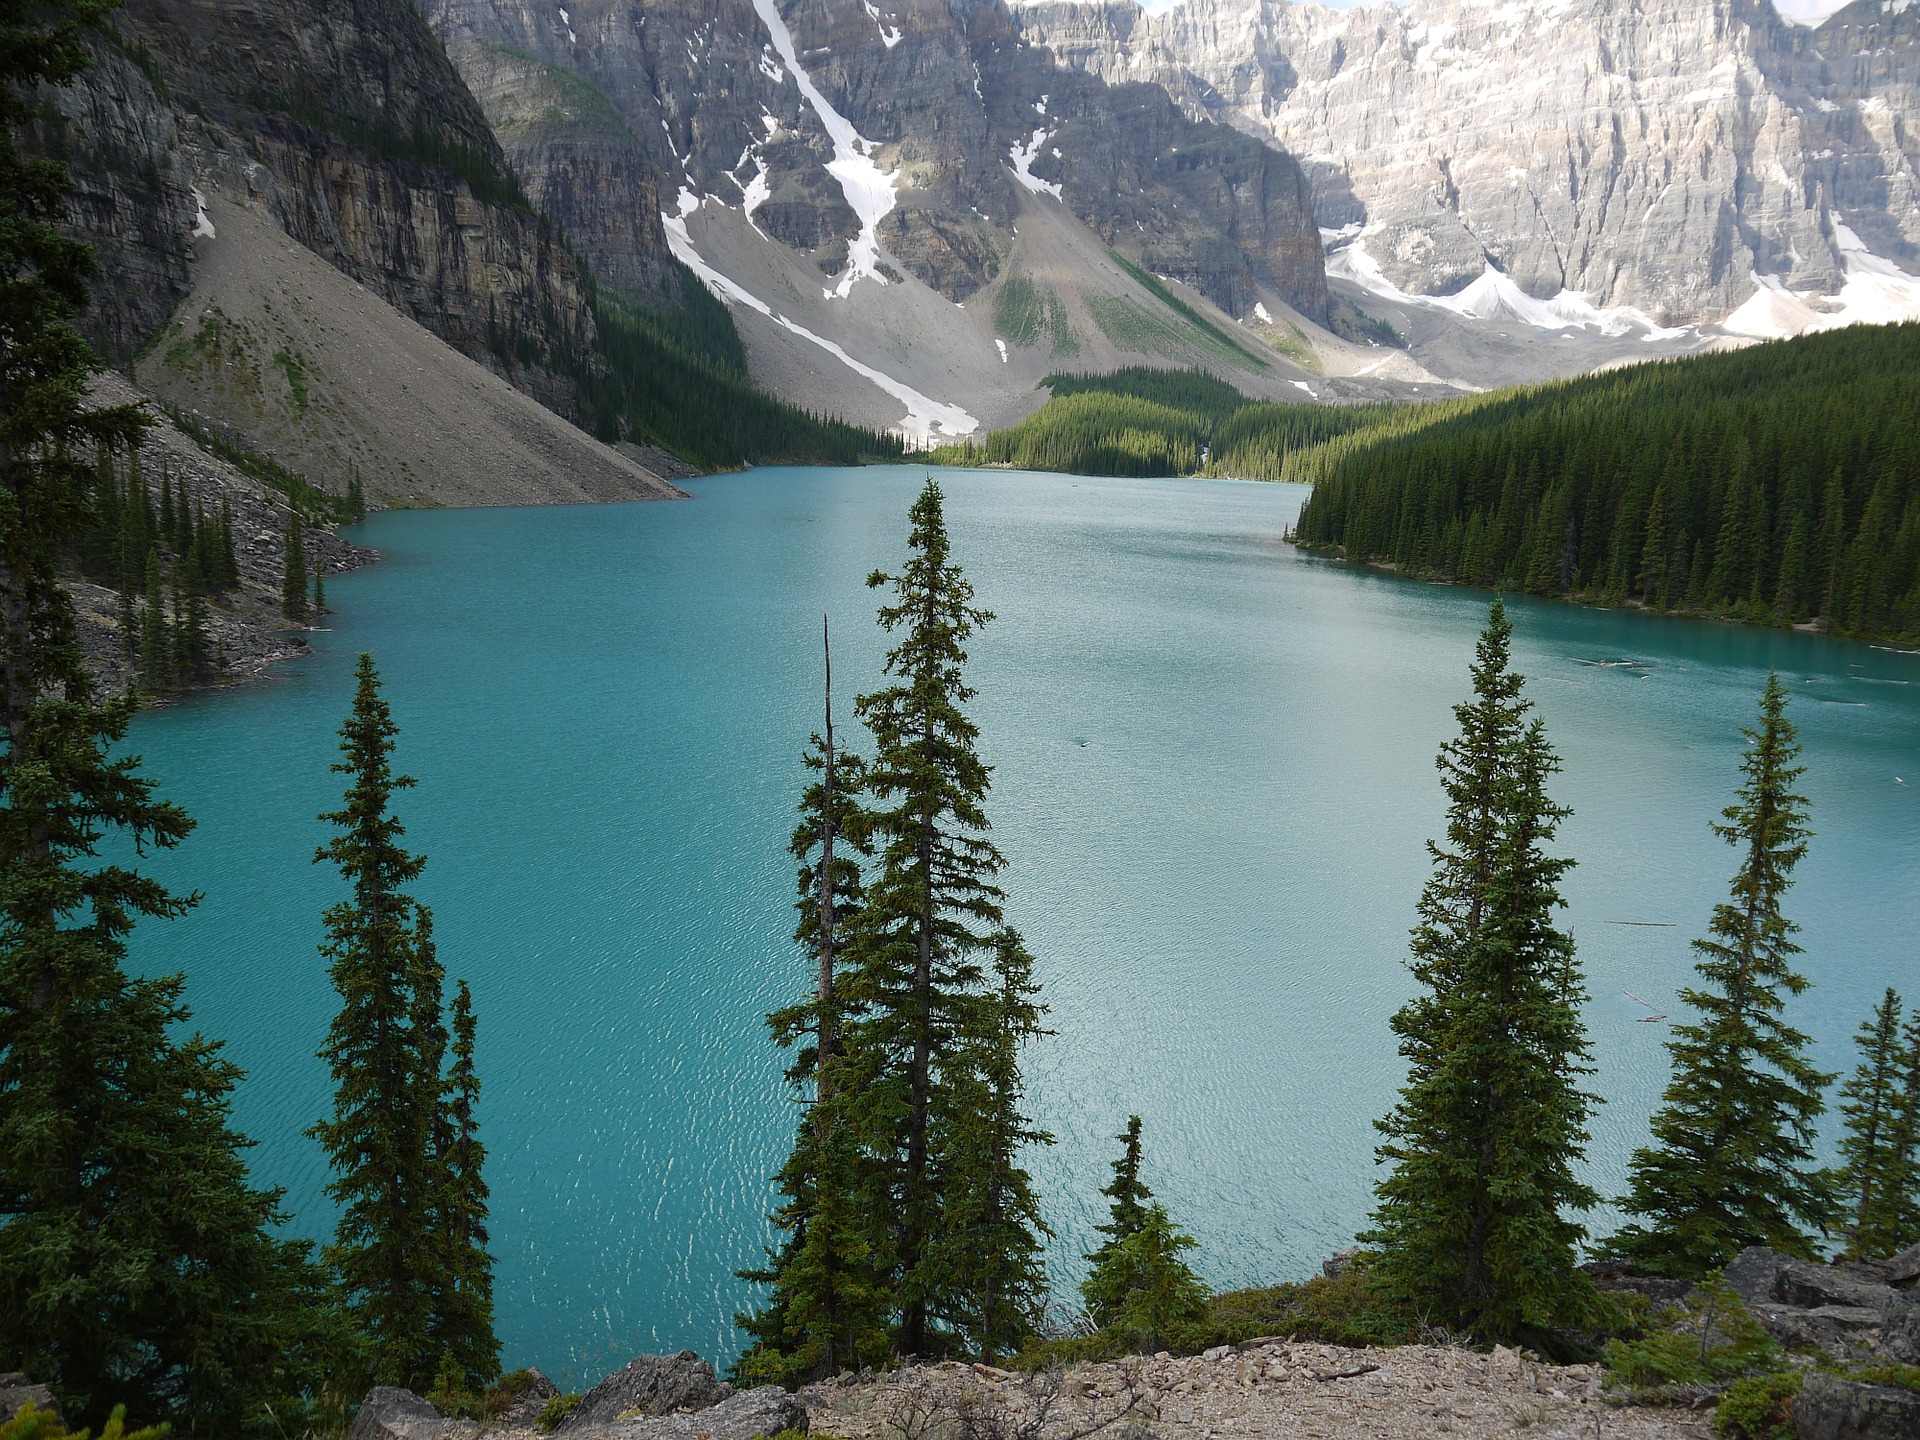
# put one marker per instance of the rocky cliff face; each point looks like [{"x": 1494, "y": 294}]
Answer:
[
  {"x": 877, "y": 139},
  {"x": 347, "y": 121},
  {"x": 1677, "y": 156}
]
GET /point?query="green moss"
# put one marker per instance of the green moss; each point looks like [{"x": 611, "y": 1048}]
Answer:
[{"x": 296, "y": 374}]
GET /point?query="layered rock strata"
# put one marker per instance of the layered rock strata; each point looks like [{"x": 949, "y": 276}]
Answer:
[{"x": 1667, "y": 155}]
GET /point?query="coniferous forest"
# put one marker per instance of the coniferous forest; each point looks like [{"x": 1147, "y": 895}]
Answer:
[{"x": 1777, "y": 485}]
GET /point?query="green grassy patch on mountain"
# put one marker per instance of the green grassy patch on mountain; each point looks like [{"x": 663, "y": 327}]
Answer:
[
  {"x": 1214, "y": 336},
  {"x": 1776, "y": 485}
]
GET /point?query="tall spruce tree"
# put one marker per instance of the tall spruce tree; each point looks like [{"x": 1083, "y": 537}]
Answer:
[
  {"x": 990, "y": 1236},
  {"x": 932, "y": 916},
  {"x": 1731, "y": 1159},
  {"x": 1137, "y": 1284},
  {"x": 827, "y": 1311},
  {"x": 1905, "y": 1139},
  {"x": 1874, "y": 1179},
  {"x": 1472, "y": 1218},
  {"x": 293, "y": 578},
  {"x": 384, "y": 1051},
  {"x": 465, "y": 1319},
  {"x": 1126, "y": 1194},
  {"x": 137, "y": 1262}
]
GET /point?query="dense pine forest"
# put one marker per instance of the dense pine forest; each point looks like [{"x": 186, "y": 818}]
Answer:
[
  {"x": 1777, "y": 485},
  {"x": 1144, "y": 421}
]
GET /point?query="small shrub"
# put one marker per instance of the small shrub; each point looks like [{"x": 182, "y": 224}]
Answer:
[
  {"x": 1907, "y": 1377},
  {"x": 33, "y": 1423},
  {"x": 1758, "y": 1407},
  {"x": 1705, "y": 1341},
  {"x": 557, "y": 1409}
]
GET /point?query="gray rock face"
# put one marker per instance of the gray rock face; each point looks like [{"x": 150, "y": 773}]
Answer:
[
  {"x": 1829, "y": 1408},
  {"x": 389, "y": 1413},
  {"x": 1830, "y": 1307},
  {"x": 766, "y": 1410},
  {"x": 347, "y": 121},
  {"x": 946, "y": 100},
  {"x": 18, "y": 1391},
  {"x": 1651, "y": 153},
  {"x": 652, "y": 1385}
]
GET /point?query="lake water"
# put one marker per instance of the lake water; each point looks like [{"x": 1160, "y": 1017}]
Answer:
[{"x": 1214, "y": 777}]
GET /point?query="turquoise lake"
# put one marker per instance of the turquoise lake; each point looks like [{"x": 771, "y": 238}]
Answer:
[{"x": 1214, "y": 780}]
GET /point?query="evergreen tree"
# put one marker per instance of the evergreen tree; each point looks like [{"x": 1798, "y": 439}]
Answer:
[
  {"x": 1905, "y": 1139},
  {"x": 932, "y": 913},
  {"x": 989, "y": 1239},
  {"x": 1126, "y": 1192},
  {"x": 1142, "y": 1289},
  {"x": 156, "y": 639},
  {"x": 383, "y": 1050},
  {"x": 1874, "y": 1178},
  {"x": 1472, "y": 1218},
  {"x": 319, "y": 592},
  {"x": 1730, "y": 1165},
  {"x": 465, "y": 1329},
  {"x": 137, "y": 1263},
  {"x": 827, "y": 1311},
  {"x": 293, "y": 584}
]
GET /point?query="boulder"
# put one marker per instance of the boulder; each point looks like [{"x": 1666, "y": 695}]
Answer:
[
  {"x": 390, "y": 1413},
  {"x": 17, "y": 1392},
  {"x": 1335, "y": 1265},
  {"x": 1754, "y": 1274},
  {"x": 1903, "y": 1270},
  {"x": 647, "y": 1385},
  {"x": 765, "y": 1410},
  {"x": 528, "y": 1404},
  {"x": 1900, "y": 1333},
  {"x": 1829, "y": 1408}
]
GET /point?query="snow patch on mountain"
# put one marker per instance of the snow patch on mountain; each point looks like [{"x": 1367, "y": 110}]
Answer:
[
  {"x": 927, "y": 420},
  {"x": 1494, "y": 296},
  {"x": 1875, "y": 292},
  {"x": 868, "y": 188},
  {"x": 1023, "y": 165}
]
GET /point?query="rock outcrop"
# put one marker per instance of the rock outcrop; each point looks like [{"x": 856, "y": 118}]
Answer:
[
  {"x": 18, "y": 1391},
  {"x": 648, "y": 1385},
  {"x": 343, "y": 118},
  {"x": 1669, "y": 155},
  {"x": 934, "y": 114},
  {"x": 1849, "y": 1311},
  {"x": 1829, "y": 1408}
]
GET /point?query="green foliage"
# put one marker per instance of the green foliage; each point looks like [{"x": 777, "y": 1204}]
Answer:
[
  {"x": 319, "y": 507},
  {"x": 1907, "y": 1377},
  {"x": 1707, "y": 1340},
  {"x": 1126, "y": 1192},
  {"x": 1731, "y": 1159},
  {"x": 677, "y": 379},
  {"x": 1491, "y": 1123},
  {"x": 1351, "y": 1310},
  {"x": 556, "y": 1410},
  {"x": 137, "y": 1262},
  {"x": 1140, "y": 1288},
  {"x": 293, "y": 582},
  {"x": 906, "y": 1208},
  {"x": 1758, "y": 1407},
  {"x": 36, "y": 1424},
  {"x": 1214, "y": 338},
  {"x": 1775, "y": 485},
  {"x": 1147, "y": 421},
  {"x": 1876, "y": 1179},
  {"x": 409, "y": 1245}
]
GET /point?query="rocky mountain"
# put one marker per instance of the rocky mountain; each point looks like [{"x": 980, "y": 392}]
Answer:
[
  {"x": 906, "y": 204},
  {"x": 343, "y": 119},
  {"x": 1685, "y": 161}
]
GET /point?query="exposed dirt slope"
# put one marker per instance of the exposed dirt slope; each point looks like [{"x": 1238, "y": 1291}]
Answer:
[{"x": 333, "y": 382}]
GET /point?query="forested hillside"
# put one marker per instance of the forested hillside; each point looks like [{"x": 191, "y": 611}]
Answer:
[
  {"x": 1775, "y": 485},
  {"x": 1142, "y": 421}
]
